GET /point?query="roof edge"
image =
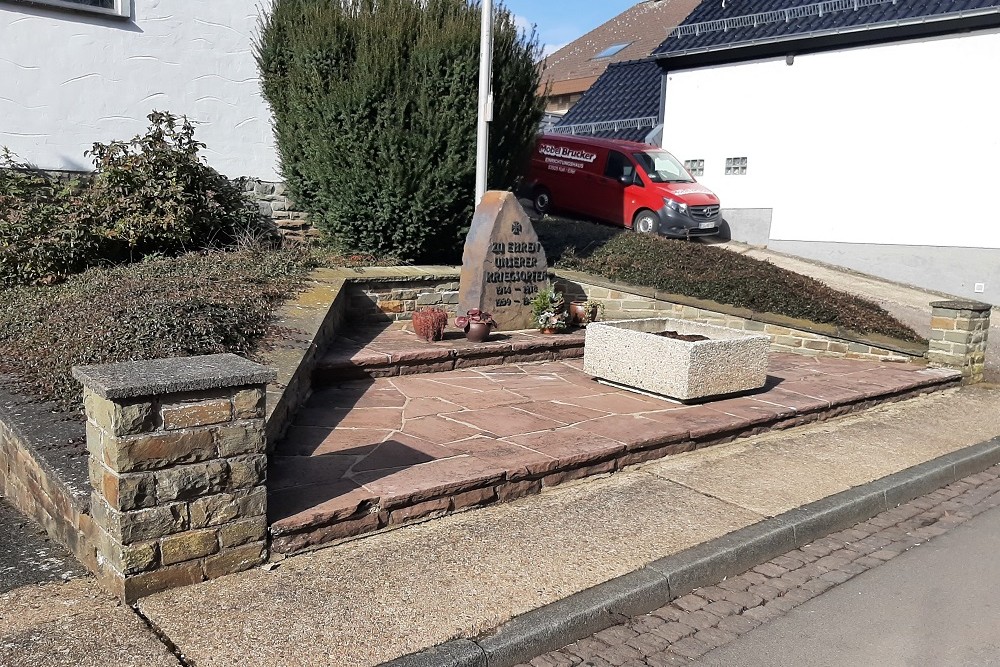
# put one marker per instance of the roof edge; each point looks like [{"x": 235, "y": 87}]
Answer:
[{"x": 822, "y": 40}]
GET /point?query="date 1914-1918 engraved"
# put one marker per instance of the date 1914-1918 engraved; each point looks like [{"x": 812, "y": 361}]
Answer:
[{"x": 516, "y": 286}]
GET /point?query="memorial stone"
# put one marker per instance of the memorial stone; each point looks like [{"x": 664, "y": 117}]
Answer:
[{"x": 503, "y": 265}]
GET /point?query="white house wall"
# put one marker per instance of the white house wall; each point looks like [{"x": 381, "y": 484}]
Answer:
[
  {"x": 892, "y": 145},
  {"x": 72, "y": 78}
]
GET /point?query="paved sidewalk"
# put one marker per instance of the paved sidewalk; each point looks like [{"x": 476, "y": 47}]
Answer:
[
  {"x": 374, "y": 599},
  {"x": 28, "y": 555},
  {"x": 712, "y": 617},
  {"x": 75, "y": 624}
]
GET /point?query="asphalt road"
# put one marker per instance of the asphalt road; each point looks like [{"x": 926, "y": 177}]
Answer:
[
  {"x": 27, "y": 555},
  {"x": 936, "y": 605}
]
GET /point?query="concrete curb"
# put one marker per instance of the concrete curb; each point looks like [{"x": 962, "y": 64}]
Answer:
[{"x": 560, "y": 623}]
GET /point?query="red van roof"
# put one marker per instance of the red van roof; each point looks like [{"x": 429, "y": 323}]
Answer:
[{"x": 579, "y": 140}]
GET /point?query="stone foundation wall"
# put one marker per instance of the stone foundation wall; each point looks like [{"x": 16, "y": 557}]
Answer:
[
  {"x": 275, "y": 205},
  {"x": 381, "y": 301},
  {"x": 620, "y": 304},
  {"x": 37, "y": 493}
]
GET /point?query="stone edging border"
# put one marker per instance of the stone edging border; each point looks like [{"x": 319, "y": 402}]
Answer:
[
  {"x": 884, "y": 342},
  {"x": 314, "y": 315},
  {"x": 580, "y": 615}
]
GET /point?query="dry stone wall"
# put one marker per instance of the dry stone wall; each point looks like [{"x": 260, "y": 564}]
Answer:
[{"x": 276, "y": 206}]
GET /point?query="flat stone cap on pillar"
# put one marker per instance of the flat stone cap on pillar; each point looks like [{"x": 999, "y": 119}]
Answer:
[
  {"x": 961, "y": 304},
  {"x": 132, "y": 379}
]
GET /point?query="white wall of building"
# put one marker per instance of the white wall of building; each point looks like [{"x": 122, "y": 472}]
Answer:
[
  {"x": 892, "y": 144},
  {"x": 68, "y": 79}
]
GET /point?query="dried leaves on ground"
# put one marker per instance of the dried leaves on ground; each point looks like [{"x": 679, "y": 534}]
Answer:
[{"x": 200, "y": 303}]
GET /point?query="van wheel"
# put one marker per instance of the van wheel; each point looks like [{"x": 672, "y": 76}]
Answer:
[
  {"x": 645, "y": 222},
  {"x": 542, "y": 200}
]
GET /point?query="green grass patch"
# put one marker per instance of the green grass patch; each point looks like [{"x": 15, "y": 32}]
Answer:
[{"x": 704, "y": 272}]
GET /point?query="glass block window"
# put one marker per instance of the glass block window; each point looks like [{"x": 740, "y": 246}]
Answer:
[
  {"x": 736, "y": 166},
  {"x": 111, "y": 7},
  {"x": 696, "y": 167}
]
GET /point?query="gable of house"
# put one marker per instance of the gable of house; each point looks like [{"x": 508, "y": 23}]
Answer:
[{"x": 631, "y": 35}]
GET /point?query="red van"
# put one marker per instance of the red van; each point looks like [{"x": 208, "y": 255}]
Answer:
[{"x": 622, "y": 182}]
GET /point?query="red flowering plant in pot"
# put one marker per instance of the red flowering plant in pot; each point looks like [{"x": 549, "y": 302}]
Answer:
[
  {"x": 429, "y": 323},
  {"x": 477, "y": 325}
]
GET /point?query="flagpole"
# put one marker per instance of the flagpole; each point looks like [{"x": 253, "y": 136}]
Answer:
[{"x": 485, "y": 99}]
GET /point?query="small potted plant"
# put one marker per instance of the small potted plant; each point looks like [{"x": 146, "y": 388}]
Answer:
[
  {"x": 477, "y": 325},
  {"x": 549, "y": 312},
  {"x": 429, "y": 323},
  {"x": 582, "y": 313}
]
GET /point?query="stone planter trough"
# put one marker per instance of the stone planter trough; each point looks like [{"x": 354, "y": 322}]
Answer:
[{"x": 630, "y": 353}]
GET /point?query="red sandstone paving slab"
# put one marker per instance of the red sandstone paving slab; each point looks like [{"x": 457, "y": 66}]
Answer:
[
  {"x": 376, "y": 418},
  {"x": 486, "y": 399},
  {"x": 703, "y": 422},
  {"x": 518, "y": 461},
  {"x": 438, "y": 429},
  {"x": 418, "y": 386},
  {"x": 506, "y": 421},
  {"x": 756, "y": 411},
  {"x": 490, "y": 350},
  {"x": 567, "y": 413},
  {"x": 316, "y": 440},
  {"x": 824, "y": 390},
  {"x": 863, "y": 386},
  {"x": 299, "y": 507},
  {"x": 792, "y": 399},
  {"x": 422, "y": 407},
  {"x": 403, "y": 486},
  {"x": 399, "y": 451},
  {"x": 291, "y": 471},
  {"x": 492, "y": 372},
  {"x": 364, "y": 394},
  {"x": 548, "y": 381},
  {"x": 571, "y": 445},
  {"x": 415, "y": 356},
  {"x": 666, "y": 429},
  {"x": 634, "y": 431},
  {"x": 465, "y": 381},
  {"x": 565, "y": 391},
  {"x": 618, "y": 401}
]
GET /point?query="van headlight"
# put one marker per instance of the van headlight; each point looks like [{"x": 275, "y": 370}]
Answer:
[{"x": 675, "y": 205}]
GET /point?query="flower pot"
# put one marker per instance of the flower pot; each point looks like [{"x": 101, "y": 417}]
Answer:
[
  {"x": 549, "y": 330},
  {"x": 577, "y": 313},
  {"x": 477, "y": 332}
]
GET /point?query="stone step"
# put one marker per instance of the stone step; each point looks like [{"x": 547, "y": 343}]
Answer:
[
  {"x": 388, "y": 352},
  {"x": 374, "y": 454}
]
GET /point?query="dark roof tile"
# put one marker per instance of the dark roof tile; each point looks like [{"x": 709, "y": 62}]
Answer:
[
  {"x": 625, "y": 91},
  {"x": 886, "y": 12}
]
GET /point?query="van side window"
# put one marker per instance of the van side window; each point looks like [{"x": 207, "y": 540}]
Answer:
[{"x": 618, "y": 166}]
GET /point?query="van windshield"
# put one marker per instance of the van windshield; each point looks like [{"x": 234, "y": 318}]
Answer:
[{"x": 662, "y": 167}]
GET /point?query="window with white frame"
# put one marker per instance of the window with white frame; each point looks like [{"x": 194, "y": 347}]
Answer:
[{"x": 108, "y": 7}]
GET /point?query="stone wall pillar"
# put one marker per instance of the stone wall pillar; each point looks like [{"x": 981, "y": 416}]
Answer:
[
  {"x": 959, "y": 330},
  {"x": 177, "y": 466}
]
